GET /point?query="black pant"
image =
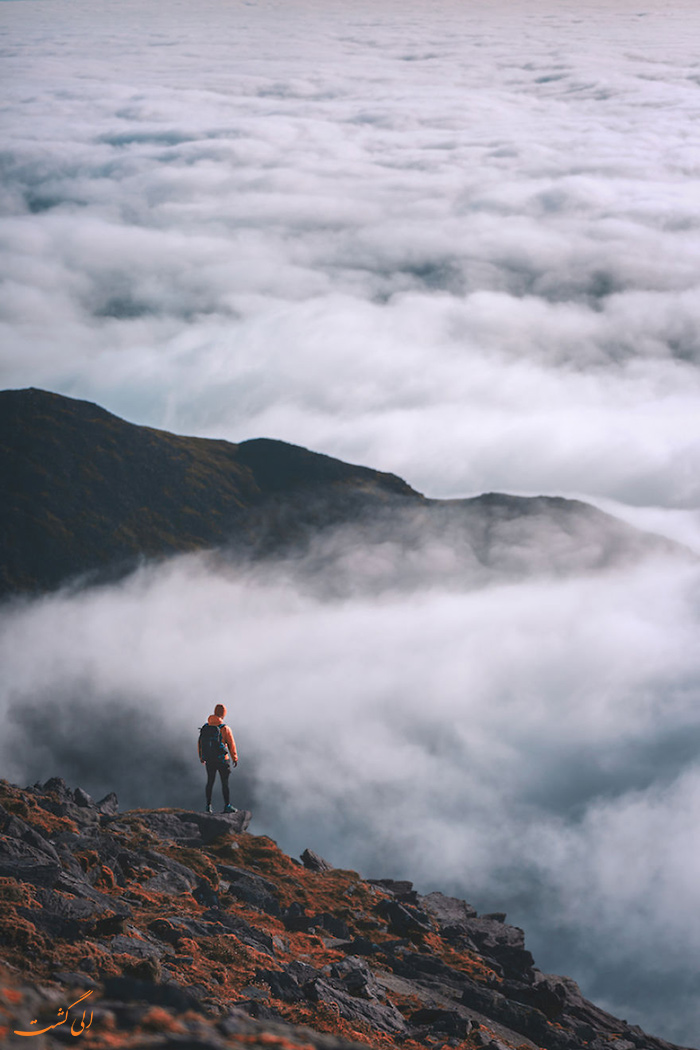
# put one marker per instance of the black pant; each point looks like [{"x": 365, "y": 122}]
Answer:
[{"x": 220, "y": 766}]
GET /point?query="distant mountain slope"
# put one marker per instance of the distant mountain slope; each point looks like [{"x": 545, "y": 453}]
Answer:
[
  {"x": 82, "y": 491},
  {"x": 86, "y": 495},
  {"x": 179, "y": 929}
]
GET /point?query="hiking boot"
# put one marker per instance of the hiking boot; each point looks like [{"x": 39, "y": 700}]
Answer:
[
  {"x": 228, "y": 808},
  {"x": 209, "y": 809}
]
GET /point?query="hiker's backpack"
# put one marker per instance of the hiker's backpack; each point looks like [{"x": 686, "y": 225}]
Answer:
[{"x": 211, "y": 742}]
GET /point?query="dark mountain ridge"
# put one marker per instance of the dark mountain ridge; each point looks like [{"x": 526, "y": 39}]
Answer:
[
  {"x": 86, "y": 496},
  {"x": 169, "y": 928}
]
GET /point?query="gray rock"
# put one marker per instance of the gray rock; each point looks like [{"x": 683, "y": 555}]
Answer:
[
  {"x": 171, "y": 882},
  {"x": 547, "y": 994},
  {"x": 81, "y": 798},
  {"x": 15, "y": 827},
  {"x": 447, "y": 911},
  {"x": 131, "y": 989},
  {"x": 245, "y": 932},
  {"x": 392, "y": 885},
  {"x": 233, "y": 874},
  {"x": 382, "y": 1016},
  {"x": 168, "y": 826},
  {"x": 501, "y": 944},
  {"x": 404, "y": 919},
  {"x": 518, "y": 1017},
  {"x": 109, "y": 925},
  {"x": 109, "y": 805},
  {"x": 56, "y": 786},
  {"x": 426, "y": 969},
  {"x": 175, "y": 927},
  {"x": 443, "y": 1022},
  {"x": 295, "y": 918},
  {"x": 58, "y": 927},
  {"x": 79, "y": 886},
  {"x": 313, "y": 862},
  {"x": 56, "y": 797},
  {"x": 212, "y": 826},
  {"x": 282, "y": 985},
  {"x": 170, "y": 876},
  {"x": 75, "y": 980},
  {"x": 331, "y": 924},
  {"x": 73, "y": 905},
  {"x": 358, "y": 946},
  {"x": 136, "y": 946},
  {"x": 356, "y": 977},
  {"x": 19, "y": 860},
  {"x": 251, "y": 888},
  {"x": 185, "y": 827},
  {"x": 302, "y": 972},
  {"x": 205, "y": 894}
]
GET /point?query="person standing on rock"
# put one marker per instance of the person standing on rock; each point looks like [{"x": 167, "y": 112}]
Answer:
[{"x": 216, "y": 747}]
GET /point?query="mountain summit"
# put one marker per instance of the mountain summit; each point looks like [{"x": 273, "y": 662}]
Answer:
[
  {"x": 86, "y": 496},
  {"x": 169, "y": 928}
]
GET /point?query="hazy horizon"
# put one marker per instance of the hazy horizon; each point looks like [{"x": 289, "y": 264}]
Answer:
[{"x": 457, "y": 243}]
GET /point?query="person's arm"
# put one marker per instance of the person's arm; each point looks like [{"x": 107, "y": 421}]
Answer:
[{"x": 231, "y": 744}]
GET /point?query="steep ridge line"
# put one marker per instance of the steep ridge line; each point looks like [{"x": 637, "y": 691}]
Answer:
[
  {"x": 181, "y": 929},
  {"x": 87, "y": 497}
]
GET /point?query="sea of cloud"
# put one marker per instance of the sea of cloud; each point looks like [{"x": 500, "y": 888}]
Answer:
[{"x": 455, "y": 241}]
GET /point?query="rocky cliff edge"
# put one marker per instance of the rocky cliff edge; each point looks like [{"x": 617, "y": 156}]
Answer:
[{"x": 168, "y": 928}]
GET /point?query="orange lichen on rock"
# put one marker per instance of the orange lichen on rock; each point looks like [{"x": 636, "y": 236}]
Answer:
[
  {"x": 195, "y": 859},
  {"x": 228, "y": 941},
  {"x": 106, "y": 880},
  {"x": 18, "y": 933},
  {"x": 158, "y": 1019},
  {"x": 269, "y": 1039},
  {"x": 463, "y": 960},
  {"x": 13, "y": 892},
  {"x": 318, "y": 891},
  {"x": 28, "y": 809}
]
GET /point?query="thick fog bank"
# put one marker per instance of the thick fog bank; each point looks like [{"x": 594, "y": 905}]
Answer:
[
  {"x": 456, "y": 241},
  {"x": 532, "y": 747}
]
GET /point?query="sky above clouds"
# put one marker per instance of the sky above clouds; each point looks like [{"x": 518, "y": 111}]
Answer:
[{"x": 455, "y": 241}]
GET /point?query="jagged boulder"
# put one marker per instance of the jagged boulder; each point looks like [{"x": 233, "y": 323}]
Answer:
[
  {"x": 25, "y": 863},
  {"x": 255, "y": 890},
  {"x": 383, "y": 1017},
  {"x": 314, "y": 862},
  {"x": 448, "y": 912}
]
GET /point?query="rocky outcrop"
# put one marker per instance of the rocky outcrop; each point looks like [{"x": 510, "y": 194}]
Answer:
[{"x": 169, "y": 928}]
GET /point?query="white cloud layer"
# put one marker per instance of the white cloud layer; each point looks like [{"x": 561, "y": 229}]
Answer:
[{"x": 455, "y": 241}]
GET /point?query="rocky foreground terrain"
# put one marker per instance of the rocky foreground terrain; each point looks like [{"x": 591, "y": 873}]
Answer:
[{"x": 168, "y": 928}]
